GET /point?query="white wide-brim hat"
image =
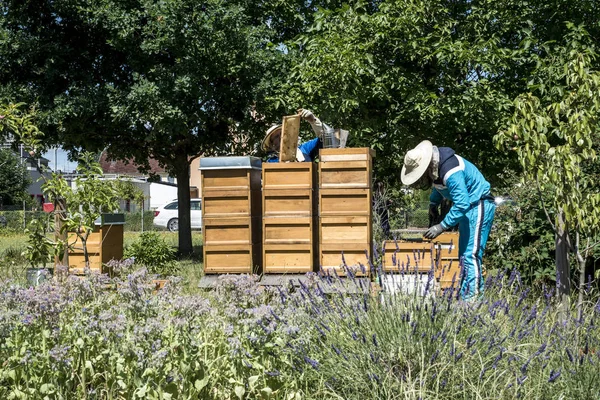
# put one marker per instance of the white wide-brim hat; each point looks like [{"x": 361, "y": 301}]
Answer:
[
  {"x": 266, "y": 143},
  {"x": 416, "y": 162}
]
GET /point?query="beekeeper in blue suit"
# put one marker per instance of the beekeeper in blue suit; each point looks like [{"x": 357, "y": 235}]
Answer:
[
  {"x": 473, "y": 208},
  {"x": 307, "y": 151}
]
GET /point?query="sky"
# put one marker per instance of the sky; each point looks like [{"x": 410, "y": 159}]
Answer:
[{"x": 62, "y": 162}]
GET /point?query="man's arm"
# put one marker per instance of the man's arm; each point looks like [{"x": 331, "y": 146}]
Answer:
[{"x": 460, "y": 198}]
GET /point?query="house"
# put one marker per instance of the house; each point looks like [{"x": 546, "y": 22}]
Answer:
[{"x": 158, "y": 192}]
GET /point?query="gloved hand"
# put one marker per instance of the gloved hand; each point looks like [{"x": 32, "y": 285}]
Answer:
[
  {"x": 315, "y": 123},
  {"x": 307, "y": 115},
  {"x": 434, "y": 231}
]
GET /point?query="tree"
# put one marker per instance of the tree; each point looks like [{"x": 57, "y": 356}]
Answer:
[
  {"x": 554, "y": 130},
  {"x": 169, "y": 80},
  {"x": 14, "y": 179},
  {"x": 396, "y": 72}
]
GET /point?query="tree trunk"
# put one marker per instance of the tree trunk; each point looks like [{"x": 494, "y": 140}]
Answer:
[
  {"x": 183, "y": 210},
  {"x": 581, "y": 259},
  {"x": 563, "y": 273}
]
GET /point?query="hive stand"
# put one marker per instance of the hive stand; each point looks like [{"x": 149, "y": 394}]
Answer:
[
  {"x": 345, "y": 211},
  {"x": 231, "y": 214}
]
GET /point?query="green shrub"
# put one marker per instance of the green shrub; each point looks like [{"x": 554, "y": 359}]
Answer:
[{"x": 151, "y": 251}]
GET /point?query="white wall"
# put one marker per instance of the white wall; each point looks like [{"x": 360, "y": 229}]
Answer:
[{"x": 161, "y": 194}]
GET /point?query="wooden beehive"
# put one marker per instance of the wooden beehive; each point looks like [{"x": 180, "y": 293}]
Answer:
[
  {"x": 104, "y": 243},
  {"x": 231, "y": 214},
  {"x": 288, "y": 217},
  {"x": 345, "y": 211},
  {"x": 441, "y": 254}
]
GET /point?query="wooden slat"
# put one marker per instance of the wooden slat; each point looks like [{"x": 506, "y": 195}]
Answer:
[
  {"x": 331, "y": 258},
  {"x": 346, "y": 154},
  {"x": 288, "y": 230},
  {"x": 289, "y": 138},
  {"x": 345, "y": 229},
  {"x": 226, "y": 203},
  {"x": 288, "y": 175},
  {"x": 221, "y": 231},
  {"x": 278, "y": 202},
  {"x": 345, "y": 202},
  {"x": 352, "y": 174},
  {"x": 236, "y": 259},
  {"x": 287, "y": 258},
  {"x": 226, "y": 179}
]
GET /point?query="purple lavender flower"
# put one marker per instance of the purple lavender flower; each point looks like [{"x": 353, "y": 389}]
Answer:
[
  {"x": 313, "y": 363},
  {"x": 554, "y": 376}
]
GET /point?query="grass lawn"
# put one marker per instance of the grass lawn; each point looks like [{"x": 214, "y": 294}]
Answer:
[{"x": 13, "y": 264}]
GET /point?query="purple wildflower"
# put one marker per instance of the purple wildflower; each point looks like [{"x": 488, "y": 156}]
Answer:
[
  {"x": 313, "y": 363},
  {"x": 554, "y": 376}
]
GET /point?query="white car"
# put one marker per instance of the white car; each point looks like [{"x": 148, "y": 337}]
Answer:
[{"x": 166, "y": 215}]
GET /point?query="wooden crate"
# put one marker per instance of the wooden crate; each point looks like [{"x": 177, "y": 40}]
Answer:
[
  {"x": 286, "y": 230},
  {"x": 231, "y": 203},
  {"x": 287, "y": 202},
  {"x": 441, "y": 252},
  {"x": 232, "y": 258},
  {"x": 103, "y": 244},
  {"x": 353, "y": 254},
  {"x": 222, "y": 231},
  {"x": 297, "y": 175},
  {"x": 345, "y": 168},
  {"x": 345, "y": 229},
  {"x": 345, "y": 202},
  {"x": 288, "y": 258},
  {"x": 408, "y": 257}
]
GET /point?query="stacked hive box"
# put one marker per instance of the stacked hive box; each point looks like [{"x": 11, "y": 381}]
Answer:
[
  {"x": 288, "y": 233},
  {"x": 104, "y": 243},
  {"x": 411, "y": 257},
  {"x": 345, "y": 211},
  {"x": 231, "y": 214}
]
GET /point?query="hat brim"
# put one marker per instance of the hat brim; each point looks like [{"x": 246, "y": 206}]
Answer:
[
  {"x": 267, "y": 139},
  {"x": 410, "y": 177}
]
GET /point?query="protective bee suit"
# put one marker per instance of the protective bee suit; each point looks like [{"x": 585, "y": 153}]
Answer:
[{"x": 456, "y": 179}]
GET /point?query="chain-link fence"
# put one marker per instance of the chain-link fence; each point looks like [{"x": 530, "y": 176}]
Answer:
[{"x": 18, "y": 220}]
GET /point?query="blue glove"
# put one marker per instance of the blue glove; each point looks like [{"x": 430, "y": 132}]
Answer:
[{"x": 434, "y": 231}]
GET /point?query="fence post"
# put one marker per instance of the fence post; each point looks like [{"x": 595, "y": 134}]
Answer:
[{"x": 143, "y": 215}]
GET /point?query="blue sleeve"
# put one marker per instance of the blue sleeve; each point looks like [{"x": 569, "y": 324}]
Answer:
[
  {"x": 435, "y": 198},
  {"x": 311, "y": 148},
  {"x": 460, "y": 197}
]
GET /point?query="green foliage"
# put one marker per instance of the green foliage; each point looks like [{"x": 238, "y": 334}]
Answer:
[
  {"x": 522, "y": 238},
  {"x": 553, "y": 131},
  {"x": 40, "y": 249},
  {"x": 14, "y": 179},
  {"x": 151, "y": 251},
  {"x": 127, "y": 190}
]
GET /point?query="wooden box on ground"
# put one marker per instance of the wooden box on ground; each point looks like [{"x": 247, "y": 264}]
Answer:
[
  {"x": 103, "y": 244},
  {"x": 412, "y": 256},
  {"x": 345, "y": 168},
  {"x": 231, "y": 214}
]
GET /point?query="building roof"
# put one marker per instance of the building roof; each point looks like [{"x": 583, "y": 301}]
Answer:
[{"x": 130, "y": 168}]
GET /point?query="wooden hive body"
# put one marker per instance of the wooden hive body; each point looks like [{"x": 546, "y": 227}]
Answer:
[
  {"x": 231, "y": 214},
  {"x": 288, "y": 217},
  {"x": 345, "y": 211}
]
